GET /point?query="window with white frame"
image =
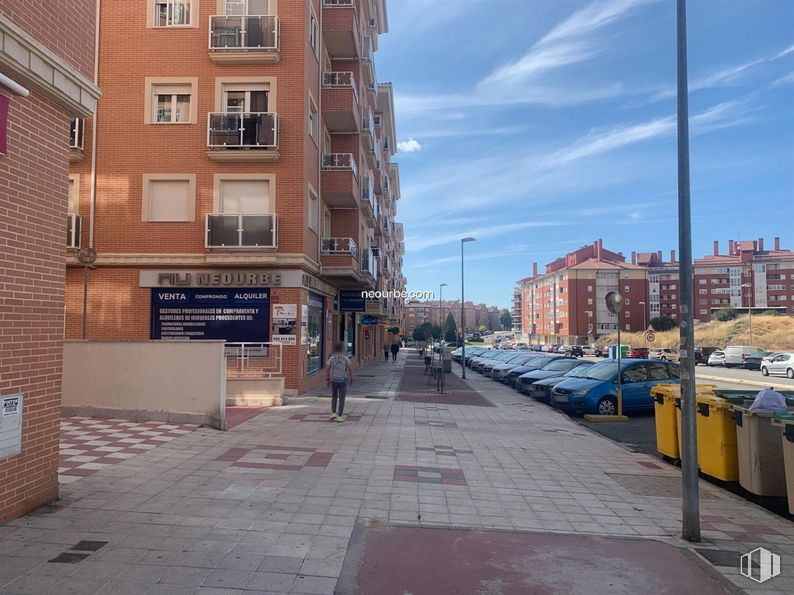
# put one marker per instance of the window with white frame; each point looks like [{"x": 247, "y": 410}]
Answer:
[
  {"x": 244, "y": 197},
  {"x": 246, "y": 7},
  {"x": 314, "y": 34},
  {"x": 172, "y": 13},
  {"x": 314, "y": 120},
  {"x": 168, "y": 199},
  {"x": 314, "y": 210},
  {"x": 74, "y": 196},
  {"x": 171, "y": 103}
]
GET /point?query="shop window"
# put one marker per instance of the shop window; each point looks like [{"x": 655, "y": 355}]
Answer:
[{"x": 315, "y": 333}]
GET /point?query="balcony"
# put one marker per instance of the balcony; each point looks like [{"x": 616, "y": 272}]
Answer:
[
  {"x": 333, "y": 246},
  {"x": 368, "y": 127},
  {"x": 368, "y": 62},
  {"x": 241, "y": 231},
  {"x": 74, "y": 225},
  {"x": 243, "y": 136},
  {"x": 340, "y": 180},
  {"x": 245, "y": 39},
  {"x": 341, "y": 29},
  {"x": 369, "y": 263},
  {"x": 76, "y": 139},
  {"x": 341, "y": 102},
  {"x": 369, "y": 201}
]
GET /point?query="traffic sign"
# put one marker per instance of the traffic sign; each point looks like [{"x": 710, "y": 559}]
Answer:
[{"x": 650, "y": 336}]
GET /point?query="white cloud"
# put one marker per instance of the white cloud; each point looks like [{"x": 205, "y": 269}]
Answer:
[
  {"x": 785, "y": 52},
  {"x": 420, "y": 243},
  {"x": 409, "y": 146}
]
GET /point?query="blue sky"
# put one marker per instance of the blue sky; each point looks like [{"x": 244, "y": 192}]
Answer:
[{"x": 538, "y": 126}]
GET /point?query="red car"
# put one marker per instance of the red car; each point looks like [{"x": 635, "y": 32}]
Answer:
[{"x": 638, "y": 352}]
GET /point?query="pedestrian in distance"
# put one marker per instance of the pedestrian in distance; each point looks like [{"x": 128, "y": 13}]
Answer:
[
  {"x": 385, "y": 352},
  {"x": 339, "y": 375},
  {"x": 395, "y": 347}
]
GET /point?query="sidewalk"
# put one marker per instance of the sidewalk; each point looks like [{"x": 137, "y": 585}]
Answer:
[{"x": 271, "y": 505}]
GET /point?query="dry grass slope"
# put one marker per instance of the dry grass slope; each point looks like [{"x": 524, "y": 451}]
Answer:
[{"x": 773, "y": 333}]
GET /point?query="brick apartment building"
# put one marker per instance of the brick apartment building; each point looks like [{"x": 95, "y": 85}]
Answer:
[
  {"x": 565, "y": 303},
  {"x": 239, "y": 161},
  {"x": 46, "y": 78},
  {"x": 476, "y": 315}
]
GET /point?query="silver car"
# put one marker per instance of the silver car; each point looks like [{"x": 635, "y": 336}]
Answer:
[
  {"x": 717, "y": 358},
  {"x": 778, "y": 364}
]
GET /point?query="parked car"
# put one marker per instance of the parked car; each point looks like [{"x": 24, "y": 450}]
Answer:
[
  {"x": 533, "y": 364},
  {"x": 717, "y": 358},
  {"x": 753, "y": 361},
  {"x": 597, "y": 393},
  {"x": 541, "y": 389},
  {"x": 664, "y": 354},
  {"x": 736, "y": 354},
  {"x": 575, "y": 351},
  {"x": 500, "y": 371},
  {"x": 601, "y": 351},
  {"x": 557, "y": 367},
  {"x": 477, "y": 363},
  {"x": 778, "y": 364},
  {"x": 702, "y": 354},
  {"x": 638, "y": 353},
  {"x": 515, "y": 357},
  {"x": 588, "y": 350}
]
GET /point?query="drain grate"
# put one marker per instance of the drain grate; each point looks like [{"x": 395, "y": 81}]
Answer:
[
  {"x": 89, "y": 546},
  {"x": 68, "y": 558}
]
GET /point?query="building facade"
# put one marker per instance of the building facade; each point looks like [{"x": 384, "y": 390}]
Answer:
[
  {"x": 237, "y": 180},
  {"x": 476, "y": 316},
  {"x": 46, "y": 79},
  {"x": 565, "y": 304}
]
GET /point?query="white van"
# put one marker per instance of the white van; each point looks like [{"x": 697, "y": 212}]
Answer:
[{"x": 736, "y": 354}]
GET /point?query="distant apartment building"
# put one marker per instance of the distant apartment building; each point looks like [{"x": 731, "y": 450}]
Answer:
[
  {"x": 515, "y": 310},
  {"x": 46, "y": 79},
  {"x": 240, "y": 160},
  {"x": 418, "y": 313},
  {"x": 565, "y": 304}
]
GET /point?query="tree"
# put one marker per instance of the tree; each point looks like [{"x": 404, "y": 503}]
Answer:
[
  {"x": 725, "y": 314},
  {"x": 663, "y": 323},
  {"x": 437, "y": 332},
  {"x": 482, "y": 328},
  {"x": 424, "y": 332},
  {"x": 450, "y": 329},
  {"x": 506, "y": 319}
]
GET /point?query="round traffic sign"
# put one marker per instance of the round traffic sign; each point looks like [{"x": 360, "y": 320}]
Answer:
[{"x": 650, "y": 336}]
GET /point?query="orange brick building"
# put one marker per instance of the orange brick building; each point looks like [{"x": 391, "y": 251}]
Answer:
[
  {"x": 239, "y": 161},
  {"x": 46, "y": 74}
]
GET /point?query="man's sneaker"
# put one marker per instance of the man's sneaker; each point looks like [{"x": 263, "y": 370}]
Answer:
[
  {"x": 340, "y": 418},
  {"x": 333, "y": 417}
]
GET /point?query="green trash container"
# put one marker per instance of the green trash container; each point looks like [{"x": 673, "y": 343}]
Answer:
[
  {"x": 786, "y": 423},
  {"x": 760, "y": 450}
]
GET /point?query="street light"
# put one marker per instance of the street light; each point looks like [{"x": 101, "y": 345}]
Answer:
[
  {"x": 440, "y": 293},
  {"x": 463, "y": 311},
  {"x": 749, "y": 310}
]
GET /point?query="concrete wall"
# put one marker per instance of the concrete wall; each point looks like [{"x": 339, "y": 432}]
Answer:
[{"x": 180, "y": 382}]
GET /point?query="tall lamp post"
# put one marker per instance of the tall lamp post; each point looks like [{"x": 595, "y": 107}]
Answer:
[
  {"x": 440, "y": 293},
  {"x": 690, "y": 501},
  {"x": 463, "y": 310},
  {"x": 749, "y": 309}
]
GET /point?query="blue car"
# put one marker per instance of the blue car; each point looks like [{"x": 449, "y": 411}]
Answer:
[
  {"x": 556, "y": 367},
  {"x": 541, "y": 389},
  {"x": 597, "y": 391}
]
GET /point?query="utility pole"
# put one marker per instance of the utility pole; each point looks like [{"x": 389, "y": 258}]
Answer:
[{"x": 690, "y": 513}]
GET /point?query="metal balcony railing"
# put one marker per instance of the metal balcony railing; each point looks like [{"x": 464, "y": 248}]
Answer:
[
  {"x": 241, "y": 231},
  {"x": 251, "y": 32},
  {"x": 76, "y": 133},
  {"x": 340, "y": 161},
  {"x": 367, "y": 120},
  {"x": 242, "y": 130},
  {"x": 339, "y": 246},
  {"x": 366, "y": 50},
  {"x": 368, "y": 193},
  {"x": 345, "y": 79},
  {"x": 74, "y": 224}
]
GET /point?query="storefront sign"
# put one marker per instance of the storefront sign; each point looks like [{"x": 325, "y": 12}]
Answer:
[
  {"x": 369, "y": 320},
  {"x": 238, "y": 315},
  {"x": 197, "y": 278},
  {"x": 352, "y": 301},
  {"x": 316, "y": 284},
  {"x": 285, "y": 324}
]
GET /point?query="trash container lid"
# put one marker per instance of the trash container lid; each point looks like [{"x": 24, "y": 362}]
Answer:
[{"x": 784, "y": 415}]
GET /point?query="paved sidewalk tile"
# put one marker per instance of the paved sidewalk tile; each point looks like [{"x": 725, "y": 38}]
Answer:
[{"x": 272, "y": 505}]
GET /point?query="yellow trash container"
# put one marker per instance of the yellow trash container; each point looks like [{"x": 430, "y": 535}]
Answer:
[
  {"x": 786, "y": 422},
  {"x": 717, "y": 454},
  {"x": 667, "y": 442}
]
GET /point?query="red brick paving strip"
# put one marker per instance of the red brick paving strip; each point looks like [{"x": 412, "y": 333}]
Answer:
[{"x": 414, "y": 388}]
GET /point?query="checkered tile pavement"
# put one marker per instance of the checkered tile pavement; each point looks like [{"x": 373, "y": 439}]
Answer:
[{"x": 90, "y": 444}]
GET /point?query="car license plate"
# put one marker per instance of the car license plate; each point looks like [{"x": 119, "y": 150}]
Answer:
[{"x": 561, "y": 398}]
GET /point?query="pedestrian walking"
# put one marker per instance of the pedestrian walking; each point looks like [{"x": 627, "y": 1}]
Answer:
[
  {"x": 385, "y": 352},
  {"x": 395, "y": 347},
  {"x": 339, "y": 375}
]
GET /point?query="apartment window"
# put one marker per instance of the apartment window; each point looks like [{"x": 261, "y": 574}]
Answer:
[
  {"x": 673, "y": 306},
  {"x": 702, "y": 281},
  {"x": 172, "y": 13},
  {"x": 628, "y": 326},
  {"x": 242, "y": 99},
  {"x": 704, "y": 311},
  {"x": 589, "y": 289},
  {"x": 703, "y": 291},
  {"x": 626, "y": 288},
  {"x": 314, "y": 210},
  {"x": 169, "y": 197},
  {"x": 589, "y": 301},
  {"x": 244, "y": 197},
  {"x": 628, "y": 302},
  {"x": 74, "y": 195},
  {"x": 246, "y": 7},
  {"x": 171, "y": 104},
  {"x": 314, "y": 34},
  {"x": 314, "y": 120},
  {"x": 628, "y": 314}
]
